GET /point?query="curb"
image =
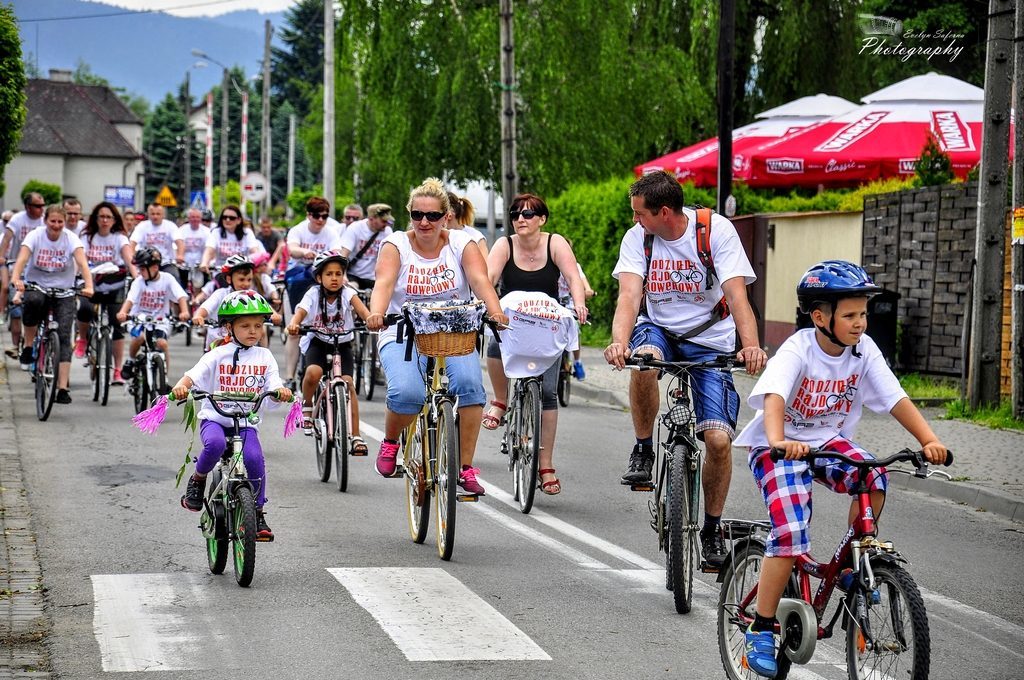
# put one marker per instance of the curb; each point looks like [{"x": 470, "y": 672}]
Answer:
[{"x": 23, "y": 621}]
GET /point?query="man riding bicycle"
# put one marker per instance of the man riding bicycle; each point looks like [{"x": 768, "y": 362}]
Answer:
[{"x": 681, "y": 304}]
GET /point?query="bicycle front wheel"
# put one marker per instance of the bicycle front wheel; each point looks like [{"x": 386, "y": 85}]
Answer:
[
  {"x": 445, "y": 457},
  {"x": 243, "y": 535},
  {"x": 341, "y": 443},
  {"x": 528, "y": 449},
  {"x": 736, "y": 608},
  {"x": 142, "y": 386},
  {"x": 358, "y": 350},
  {"x": 417, "y": 493},
  {"x": 105, "y": 356},
  {"x": 370, "y": 366},
  {"x": 92, "y": 361},
  {"x": 564, "y": 381},
  {"x": 46, "y": 378},
  {"x": 321, "y": 437},
  {"x": 892, "y": 641},
  {"x": 681, "y": 550}
]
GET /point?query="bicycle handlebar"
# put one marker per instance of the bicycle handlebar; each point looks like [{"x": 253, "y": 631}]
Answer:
[
  {"x": 647, "y": 362},
  {"x": 214, "y": 397},
  {"x": 55, "y": 292},
  {"x": 916, "y": 458}
]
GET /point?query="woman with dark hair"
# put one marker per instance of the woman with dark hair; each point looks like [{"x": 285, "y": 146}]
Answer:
[
  {"x": 531, "y": 260},
  {"x": 105, "y": 241},
  {"x": 229, "y": 237}
]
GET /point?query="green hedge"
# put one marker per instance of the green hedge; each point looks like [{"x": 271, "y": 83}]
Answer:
[{"x": 51, "y": 193}]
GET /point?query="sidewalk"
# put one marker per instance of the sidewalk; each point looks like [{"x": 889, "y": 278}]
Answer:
[
  {"x": 987, "y": 467},
  {"x": 23, "y": 622}
]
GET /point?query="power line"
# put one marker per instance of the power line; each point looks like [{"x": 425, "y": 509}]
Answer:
[{"x": 193, "y": 5}]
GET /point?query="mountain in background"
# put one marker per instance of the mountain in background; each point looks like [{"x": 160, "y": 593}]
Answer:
[{"x": 145, "y": 53}]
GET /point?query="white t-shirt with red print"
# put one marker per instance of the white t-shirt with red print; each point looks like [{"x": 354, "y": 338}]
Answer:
[
  {"x": 52, "y": 263},
  {"x": 539, "y": 330},
  {"x": 159, "y": 237},
  {"x": 21, "y": 225},
  {"x": 337, "y": 319},
  {"x": 195, "y": 242},
  {"x": 225, "y": 244},
  {"x": 676, "y": 293},
  {"x": 155, "y": 297},
  {"x": 100, "y": 249},
  {"x": 427, "y": 280},
  {"x": 254, "y": 373},
  {"x": 354, "y": 238},
  {"x": 824, "y": 394},
  {"x": 329, "y": 238}
]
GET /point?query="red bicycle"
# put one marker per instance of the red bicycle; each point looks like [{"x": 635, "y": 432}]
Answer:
[{"x": 881, "y": 607}]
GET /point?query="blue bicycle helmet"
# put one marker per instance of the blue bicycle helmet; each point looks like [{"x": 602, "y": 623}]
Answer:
[{"x": 829, "y": 282}]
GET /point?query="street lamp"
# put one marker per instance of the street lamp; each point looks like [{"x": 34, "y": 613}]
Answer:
[
  {"x": 188, "y": 134},
  {"x": 196, "y": 52}
]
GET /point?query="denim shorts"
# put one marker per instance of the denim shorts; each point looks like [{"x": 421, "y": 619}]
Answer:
[
  {"x": 715, "y": 401},
  {"x": 406, "y": 385}
]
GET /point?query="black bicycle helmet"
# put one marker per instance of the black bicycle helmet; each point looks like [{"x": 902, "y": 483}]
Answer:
[
  {"x": 829, "y": 282},
  {"x": 146, "y": 256}
]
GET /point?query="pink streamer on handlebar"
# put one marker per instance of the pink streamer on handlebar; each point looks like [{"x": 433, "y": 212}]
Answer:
[
  {"x": 149, "y": 420},
  {"x": 293, "y": 419}
]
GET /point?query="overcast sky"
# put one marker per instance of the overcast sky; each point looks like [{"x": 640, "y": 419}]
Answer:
[{"x": 194, "y": 8}]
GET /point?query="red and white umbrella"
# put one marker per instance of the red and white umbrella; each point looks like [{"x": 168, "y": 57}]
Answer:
[
  {"x": 877, "y": 140},
  {"x": 698, "y": 163}
]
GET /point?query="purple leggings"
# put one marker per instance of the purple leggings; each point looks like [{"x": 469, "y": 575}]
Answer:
[{"x": 214, "y": 442}]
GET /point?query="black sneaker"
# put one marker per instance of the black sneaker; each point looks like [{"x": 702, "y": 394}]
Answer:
[
  {"x": 26, "y": 359},
  {"x": 63, "y": 397},
  {"x": 193, "y": 498},
  {"x": 712, "y": 547},
  {"x": 641, "y": 460},
  {"x": 128, "y": 369},
  {"x": 263, "y": 531}
]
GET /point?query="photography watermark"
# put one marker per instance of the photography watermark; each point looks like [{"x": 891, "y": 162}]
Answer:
[{"x": 885, "y": 36}]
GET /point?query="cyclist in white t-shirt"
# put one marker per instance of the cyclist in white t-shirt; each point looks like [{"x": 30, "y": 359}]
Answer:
[
  {"x": 683, "y": 320},
  {"x": 464, "y": 213},
  {"x": 364, "y": 238},
  {"x": 229, "y": 237},
  {"x": 156, "y": 232},
  {"x": 17, "y": 228}
]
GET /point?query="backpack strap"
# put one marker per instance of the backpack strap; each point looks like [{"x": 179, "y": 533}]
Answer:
[
  {"x": 703, "y": 233},
  {"x": 648, "y": 249}
]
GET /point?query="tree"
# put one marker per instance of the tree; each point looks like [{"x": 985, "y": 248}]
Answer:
[
  {"x": 299, "y": 66},
  {"x": 51, "y": 193},
  {"x": 934, "y": 166},
  {"x": 12, "y": 86},
  {"x": 162, "y": 140}
]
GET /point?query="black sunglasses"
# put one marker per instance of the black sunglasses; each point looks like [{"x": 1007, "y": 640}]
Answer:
[
  {"x": 319, "y": 216},
  {"x": 432, "y": 216},
  {"x": 230, "y": 217},
  {"x": 527, "y": 214},
  {"x": 36, "y": 205}
]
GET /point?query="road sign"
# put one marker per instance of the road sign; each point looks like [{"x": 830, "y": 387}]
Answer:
[
  {"x": 197, "y": 200},
  {"x": 254, "y": 186},
  {"x": 166, "y": 198},
  {"x": 119, "y": 195}
]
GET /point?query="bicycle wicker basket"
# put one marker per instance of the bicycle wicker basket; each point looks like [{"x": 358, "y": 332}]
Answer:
[{"x": 445, "y": 329}]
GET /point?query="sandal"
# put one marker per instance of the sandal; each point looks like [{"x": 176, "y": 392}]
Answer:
[
  {"x": 545, "y": 486},
  {"x": 358, "y": 447},
  {"x": 307, "y": 421},
  {"x": 494, "y": 415}
]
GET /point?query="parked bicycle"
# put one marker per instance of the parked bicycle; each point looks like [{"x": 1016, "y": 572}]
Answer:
[
  {"x": 46, "y": 351},
  {"x": 229, "y": 509},
  {"x": 675, "y": 509},
  {"x": 880, "y": 605}
]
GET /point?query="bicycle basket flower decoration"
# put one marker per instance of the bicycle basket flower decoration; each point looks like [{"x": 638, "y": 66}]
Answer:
[{"x": 445, "y": 328}]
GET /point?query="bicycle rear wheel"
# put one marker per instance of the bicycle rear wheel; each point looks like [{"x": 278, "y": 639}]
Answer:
[
  {"x": 105, "y": 355},
  {"x": 92, "y": 361},
  {"x": 681, "y": 550},
  {"x": 341, "y": 443},
  {"x": 142, "y": 386},
  {"x": 897, "y": 630},
  {"x": 46, "y": 379},
  {"x": 243, "y": 524},
  {"x": 445, "y": 457},
  {"x": 528, "y": 449},
  {"x": 215, "y": 527},
  {"x": 358, "y": 349},
  {"x": 417, "y": 493},
  {"x": 321, "y": 439},
  {"x": 370, "y": 368},
  {"x": 735, "y": 613},
  {"x": 564, "y": 381}
]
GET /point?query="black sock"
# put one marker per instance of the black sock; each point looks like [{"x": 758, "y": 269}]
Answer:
[
  {"x": 645, "y": 443},
  {"x": 390, "y": 441},
  {"x": 763, "y": 623},
  {"x": 710, "y": 523}
]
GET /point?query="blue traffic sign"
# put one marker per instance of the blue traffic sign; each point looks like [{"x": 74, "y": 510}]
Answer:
[{"x": 119, "y": 195}]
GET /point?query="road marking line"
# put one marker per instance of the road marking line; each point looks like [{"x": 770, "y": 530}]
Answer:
[
  {"x": 140, "y": 623},
  {"x": 581, "y": 559},
  {"x": 987, "y": 620},
  {"x": 432, "y": 616}
]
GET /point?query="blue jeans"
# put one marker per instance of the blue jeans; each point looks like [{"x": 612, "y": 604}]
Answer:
[
  {"x": 407, "y": 388},
  {"x": 715, "y": 401}
]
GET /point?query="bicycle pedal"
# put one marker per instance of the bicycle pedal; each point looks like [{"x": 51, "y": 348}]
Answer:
[
  {"x": 264, "y": 539},
  {"x": 399, "y": 471},
  {"x": 708, "y": 568},
  {"x": 363, "y": 455},
  {"x": 646, "y": 487},
  {"x": 467, "y": 498}
]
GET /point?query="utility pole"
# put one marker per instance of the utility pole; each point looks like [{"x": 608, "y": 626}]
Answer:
[
  {"x": 509, "y": 174},
  {"x": 265, "y": 141},
  {"x": 187, "y": 155},
  {"x": 986, "y": 328},
  {"x": 291, "y": 164},
  {"x": 224, "y": 139},
  {"x": 726, "y": 38},
  {"x": 329, "y": 183},
  {"x": 1017, "y": 289},
  {"x": 243, "y": 155},
  {"x": 208, "y": 161}
]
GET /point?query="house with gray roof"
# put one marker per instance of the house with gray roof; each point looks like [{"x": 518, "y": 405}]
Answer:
[{"x": 81, "y": 137}]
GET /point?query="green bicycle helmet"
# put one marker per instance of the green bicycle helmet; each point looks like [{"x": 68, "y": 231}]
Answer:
[{"x": 243, "y": 303}]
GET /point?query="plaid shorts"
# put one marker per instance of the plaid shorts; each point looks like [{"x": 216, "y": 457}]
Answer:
[{"x": 786, "y": 487}]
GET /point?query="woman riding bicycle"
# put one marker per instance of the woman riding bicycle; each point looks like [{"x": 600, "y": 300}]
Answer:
[
  {"x": 428, "y": 263},
  {"x": 105, "y": 240},
  {"x": 532, "y": 260},
  {"x": 48, "y": 258},
  {"x": 811, "y": 394}
]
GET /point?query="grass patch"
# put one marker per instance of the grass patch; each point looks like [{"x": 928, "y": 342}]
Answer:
[
  {"x": 1000, "y": 417},
  {"x": 920, "y": 386}
]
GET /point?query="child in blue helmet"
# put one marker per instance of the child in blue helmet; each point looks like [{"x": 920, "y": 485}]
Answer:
[{"x": 811, "y": 395}]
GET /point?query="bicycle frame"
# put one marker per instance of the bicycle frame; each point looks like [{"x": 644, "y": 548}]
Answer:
[
  {"x": 437, "y": 392},
  {"x": 328, "y": 383}
]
